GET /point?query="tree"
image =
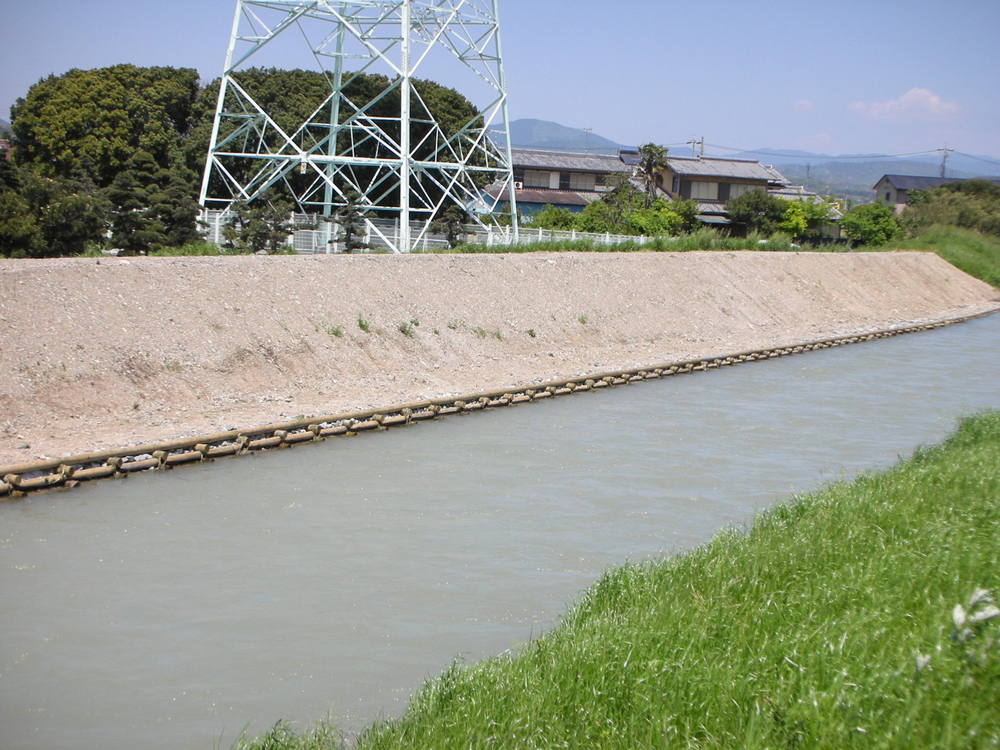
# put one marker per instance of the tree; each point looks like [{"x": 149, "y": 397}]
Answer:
[
  {"x": 756, "y": 211},
  {"x": 264, "y": 226},
  {"x": 614, "y": 210},
  {"x": 100, "y": 118},
  {"x": 292, "y": 96},
  {"x": 19, "y": 233},
  {"x": 623, "y": 210},
  {"x": 652, "y": 160},
  {"x": 687, "y": 211},
  {"x": 870, "y": 224},
  {"x": 450, "y": 222},
  {"x": 794, "y": 221},
  {"x": 66, "y": 214},
  {"x": 818, "y": 214},
  {"x": 351, "y": 221},
  {"x": 973, "y": 204},
  {"x": 551, "y": 217},
  {"x": 152, "y": 207}
]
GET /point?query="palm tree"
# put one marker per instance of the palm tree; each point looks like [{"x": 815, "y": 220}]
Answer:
[{"x": 652, "y": 159}]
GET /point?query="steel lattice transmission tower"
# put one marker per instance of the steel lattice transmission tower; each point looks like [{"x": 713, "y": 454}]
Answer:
[{"x": 405, "y": 166}]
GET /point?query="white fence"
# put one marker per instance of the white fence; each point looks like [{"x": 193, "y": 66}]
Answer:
[{"x": 315, "y": 236}]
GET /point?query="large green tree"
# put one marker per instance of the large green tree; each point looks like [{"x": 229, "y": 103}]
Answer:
[
  {"x": 124, "y": 147},
  {"x": 49, "y": 216},
  {"x": 291, "y": 97},
  {"x": 623, "y": 210},
  {"x": 756, "y": 211},
  {"x": 870, "y": 224},
  {"x": 152, "y": 207},
  {"x": 97, "y": 119}
]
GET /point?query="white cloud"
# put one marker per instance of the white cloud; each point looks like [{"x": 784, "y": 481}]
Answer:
[
  {"x": 802, "y": 105},
  {"x": 916, "y": 103}
]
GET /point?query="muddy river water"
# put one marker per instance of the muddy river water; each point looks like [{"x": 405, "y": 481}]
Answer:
[{"x": 171, "y": 610}]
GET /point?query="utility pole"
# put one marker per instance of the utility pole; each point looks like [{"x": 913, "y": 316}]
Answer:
[
  {"x": 697, "y": 146},
  {"x": 586, "y": 140},
  {"x": 944, "y": 158}
]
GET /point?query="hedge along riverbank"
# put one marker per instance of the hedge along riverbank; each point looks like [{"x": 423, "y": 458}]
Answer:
[{"x": 859, "y": 616}]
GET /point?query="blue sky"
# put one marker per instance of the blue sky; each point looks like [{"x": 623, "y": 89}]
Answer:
[{"x": 853, "y": 76}]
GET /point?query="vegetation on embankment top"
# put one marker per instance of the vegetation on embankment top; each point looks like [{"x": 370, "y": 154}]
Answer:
[
  {"x": 975, "y": 253},
  {"x": 854, "y": 617},
  {"x": 704, "y": 238}
]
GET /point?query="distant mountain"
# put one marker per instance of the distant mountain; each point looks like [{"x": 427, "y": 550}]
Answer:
[
  {"x": 556, "y": 137},
  {"x": 4, "y": 126},
  {"x": 847, "y": 176},
  {"x": 854, "y": 175},
  {"x": 973, "y": 164}
]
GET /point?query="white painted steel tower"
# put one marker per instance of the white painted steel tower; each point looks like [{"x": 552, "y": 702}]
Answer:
[{"x": 403, "y": 165}]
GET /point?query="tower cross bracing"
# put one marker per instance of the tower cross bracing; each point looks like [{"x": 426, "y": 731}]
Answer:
[{"x": 386, "y": 154}]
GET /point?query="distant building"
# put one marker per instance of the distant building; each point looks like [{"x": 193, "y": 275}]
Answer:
[
  {"x": 562, "y": 179},
  {"x": 4, "y": 146},
  {"x": 894, "y": 189},
  {"x": 574, "y": 180},
  {"x": 710, "y": 181}
]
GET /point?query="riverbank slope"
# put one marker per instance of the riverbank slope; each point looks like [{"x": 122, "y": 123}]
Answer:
[
  {"x": 859, "y": 616},
  {"x": 102, "y": 354}
]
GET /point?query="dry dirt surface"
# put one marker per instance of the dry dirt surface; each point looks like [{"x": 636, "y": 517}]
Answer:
[{"x": 104, "y": 354}]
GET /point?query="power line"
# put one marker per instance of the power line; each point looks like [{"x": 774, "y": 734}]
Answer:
[
  {"x": 979, "y": 158},
  {"x": 865, "y": 157}
]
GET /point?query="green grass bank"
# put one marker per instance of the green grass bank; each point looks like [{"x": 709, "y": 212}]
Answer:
[{"x": 858, "y": 616}]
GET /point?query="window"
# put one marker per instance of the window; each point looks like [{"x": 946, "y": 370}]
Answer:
[
  {"x": 742, "y": 188},
  {"x": 578, "y": 181},
  {"x": 534, "y": 179},
  {"x": 704, "y": 191}
]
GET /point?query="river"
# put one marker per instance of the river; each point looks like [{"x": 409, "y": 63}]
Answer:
[{"x": 171, "y": 610}]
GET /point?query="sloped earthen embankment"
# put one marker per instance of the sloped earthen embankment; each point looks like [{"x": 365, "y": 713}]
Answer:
[{"x": 96, "y": 355}]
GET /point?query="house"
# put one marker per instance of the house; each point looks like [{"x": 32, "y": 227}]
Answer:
[
  {"x": 710, "y": 181},
  {"x": 574, "y": 180},
  {"x": 562, "y": 179},
  {"x": 894, "y": 189}
]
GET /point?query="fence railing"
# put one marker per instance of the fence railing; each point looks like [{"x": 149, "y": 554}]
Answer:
[{"x": 312, "y": 236}]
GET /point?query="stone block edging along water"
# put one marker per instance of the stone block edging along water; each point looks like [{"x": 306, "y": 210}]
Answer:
[{"x": 17, "y": 480}]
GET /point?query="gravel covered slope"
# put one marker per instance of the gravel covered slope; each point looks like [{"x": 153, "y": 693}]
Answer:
[{"x": 104, "y": 354}]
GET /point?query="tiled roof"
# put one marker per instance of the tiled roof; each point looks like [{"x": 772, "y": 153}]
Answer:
[
  {"x": 567, "y": 161},
  {"x": 909, "y": 182},
  {"x": 710, "y": 208},
  {"x": 712, "y": 166},
  {"x": 554, "y": 197}
]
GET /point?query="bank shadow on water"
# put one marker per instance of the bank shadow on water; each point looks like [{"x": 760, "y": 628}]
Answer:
[{"x": 168, "y": 609}]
